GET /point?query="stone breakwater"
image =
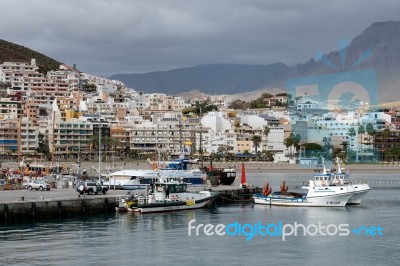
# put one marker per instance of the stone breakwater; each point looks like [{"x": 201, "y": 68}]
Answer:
[
  {"x": 41, "y": 210},
  {"x": 27, "y": 206}
]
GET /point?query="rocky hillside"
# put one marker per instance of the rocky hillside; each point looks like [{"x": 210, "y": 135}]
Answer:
[{"x": 11, "y": 52}]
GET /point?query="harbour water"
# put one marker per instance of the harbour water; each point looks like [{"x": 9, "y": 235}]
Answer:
[{"x": 162, "y": 239}]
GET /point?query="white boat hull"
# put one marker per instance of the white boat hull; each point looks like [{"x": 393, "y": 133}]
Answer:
[
  {"x": 130, "y": 186},
  {"x": 337, "y": 200},
  {"x": 171, "y": 208},
  {"x": 361, "y": 191},
  {"x": 189, "y": 201}
]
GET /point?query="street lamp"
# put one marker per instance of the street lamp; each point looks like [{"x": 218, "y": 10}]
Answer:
[{"x": 99, "y": 109}]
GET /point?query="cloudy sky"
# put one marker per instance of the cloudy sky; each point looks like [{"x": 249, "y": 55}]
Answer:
[{"x": 131, "y": 36}]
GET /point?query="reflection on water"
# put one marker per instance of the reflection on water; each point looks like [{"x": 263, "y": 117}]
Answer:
[{"x": 131, "y": 239}]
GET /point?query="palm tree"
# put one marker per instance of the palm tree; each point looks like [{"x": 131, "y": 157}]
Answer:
[
  {"x": 352, "y": 133},
  {"x": 256, "y": 139},
  {"x": 385, "y": 135},
  {"x": 369, "y": 128},
  {"x": 266, "y": 133},
  {"x": 296, "y": 140},
  {"x": 292, "y": 140},
  {"x": 361, "y": 131}
]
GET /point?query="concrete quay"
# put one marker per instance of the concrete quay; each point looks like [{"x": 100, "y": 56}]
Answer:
[{"x": 26, "y": 206}]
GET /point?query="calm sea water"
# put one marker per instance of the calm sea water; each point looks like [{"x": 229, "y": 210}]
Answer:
[{"x": 162, "y": 239}]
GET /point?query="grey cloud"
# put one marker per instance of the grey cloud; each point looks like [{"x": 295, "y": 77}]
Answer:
[{"x": 122, "y": 36}]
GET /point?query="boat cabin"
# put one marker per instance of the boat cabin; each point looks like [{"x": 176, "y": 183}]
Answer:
[
  {"x": 340, "y": 178},
  {"x": 162, "y": 190},
  {"x": 322, "y": 179}
]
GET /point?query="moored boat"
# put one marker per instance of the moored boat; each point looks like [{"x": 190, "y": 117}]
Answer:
[
  {"x": 132, "y": 179},
  {"x": 341, "y": 178},
  {"x": 221, "y": 176},
  {"x": 167, "y": 194},
  {"x": 322, "y": 192}
]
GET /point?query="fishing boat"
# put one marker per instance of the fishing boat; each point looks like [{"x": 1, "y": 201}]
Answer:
[
  {"x": 165, "y": 195},
  {"x": 219, "y": 175},
  {"x": 341, "y": 178},
  {"x": 323, "y": 191}
]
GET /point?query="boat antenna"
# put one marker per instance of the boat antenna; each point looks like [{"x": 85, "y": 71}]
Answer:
[
  {"x": 338, "y": 165},
  {"x": 100, "y": 125},
  {"x": 201, "y": 139},
  {"x": 323, "y": 163},
  {"x": 180, "y": 135}
]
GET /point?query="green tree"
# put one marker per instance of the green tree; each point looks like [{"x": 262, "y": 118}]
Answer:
[
  {"x": 223, "y": 150},
  {"x": 266, "y": 133},
  {"x": 296, "y": 140},
  {"x": 292, "y": 140},
  {"x": 352, "y": 133},
  {"x": 90, "y": 87},
  {"x": 256, "y": 139},
  {"x": 385, "y": 136},
  {"x": 312, "y": 149},
  {"x": 326, "y": 147},
  {"x": 239, "y": 104},
  {"x": 369, "y": 128},
  {"x": 188, "y": 110},
  {"x": 361, "y": 132}
]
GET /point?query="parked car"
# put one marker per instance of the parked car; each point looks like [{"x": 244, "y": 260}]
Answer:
[
  {"x": 91, "y": 187},
  {"x": 38, "y": 185}
]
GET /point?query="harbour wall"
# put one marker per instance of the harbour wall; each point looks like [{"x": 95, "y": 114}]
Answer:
[
  {"x": 228, "y": 195},
  {"x": 47, "y": 209},
  {"x": 42, "y": 210}
]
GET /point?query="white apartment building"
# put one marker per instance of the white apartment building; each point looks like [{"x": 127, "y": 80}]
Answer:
[
  {"x": 69, "y": 137},
  {"x": 151, "y": 138},
  {"x": 221, "y": 132},
  {"x": 29, "y": 137}
]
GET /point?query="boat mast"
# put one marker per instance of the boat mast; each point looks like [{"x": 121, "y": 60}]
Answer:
[
  {"x": 339, "y": 170},
  {"x": 201, "y": 140},
  {"x": 19, "y": 132},
  {"x": 323, "y": 163},
  {"x": 53, "y": 142},
  {"x": 180, "y": 136},
  {"x": 99, "y": 105}
]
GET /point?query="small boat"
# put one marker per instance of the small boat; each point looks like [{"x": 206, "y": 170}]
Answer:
[
  {"x": 322, "y": 192},
  {"x": 220, "y": 176},
  {"x": 167, "y": 194}
]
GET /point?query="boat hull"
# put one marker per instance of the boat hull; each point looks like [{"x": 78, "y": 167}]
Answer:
[
  {"x": 337, "y": 200},
  {"x": 221, "y": 176},
  {"x": 361, "y": 191},
  {"x": 173, "y": 206},
  {"x": 137, "y": 186}
]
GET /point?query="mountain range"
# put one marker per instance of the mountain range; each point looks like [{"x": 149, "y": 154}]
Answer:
[
  {"x": 381, "y": 38},
  {"x": 249, "y": 81}
]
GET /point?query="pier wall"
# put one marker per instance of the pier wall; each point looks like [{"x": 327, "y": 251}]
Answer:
[
  {"x": 230, "y": 195},
  {"x": 46, "y": 209},
  {"x": 25, "y": 211}
]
